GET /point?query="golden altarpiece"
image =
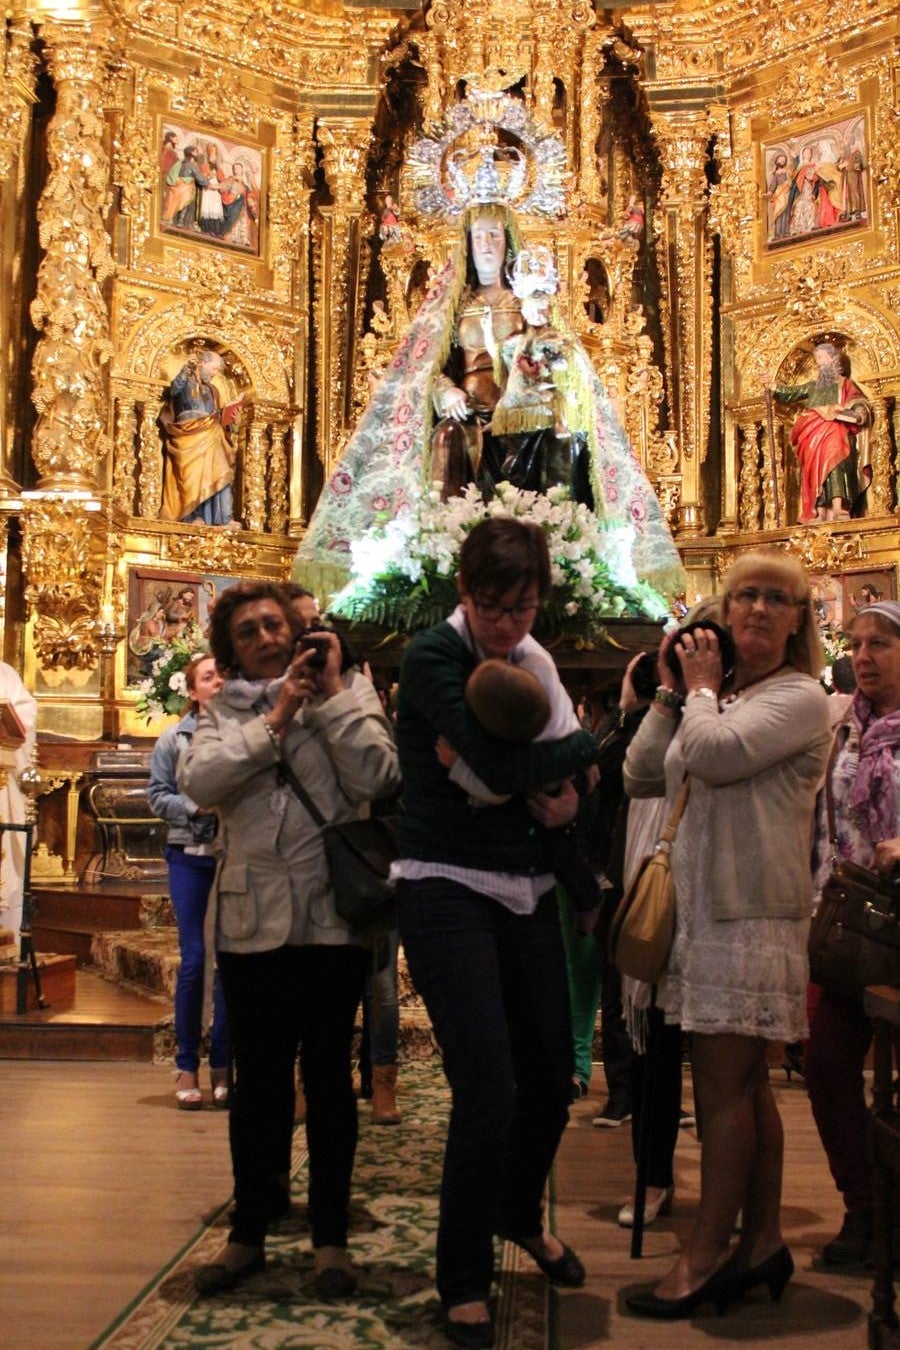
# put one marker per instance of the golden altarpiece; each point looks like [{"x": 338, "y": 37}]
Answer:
[{"x": 690, "y": 269}]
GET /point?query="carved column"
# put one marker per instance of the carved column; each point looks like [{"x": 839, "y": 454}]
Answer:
[
  {"x": 880, "y": 458},
  {"x": 125, "y": 457},
  {"x": 686, "y": 273},
  {"x": 150, "y": 460},
  {"x": 63, "y": 532},
  {"x": 594, "y": 98},
  {"x": 254, "y": 464},
  {"x": 17, "y": 76},
  {"x": 70, "y": 392},
  {"x": 278, "y": 479},
  {"x": 344, "y": 142},
  {"x": 750, "y": 498}
]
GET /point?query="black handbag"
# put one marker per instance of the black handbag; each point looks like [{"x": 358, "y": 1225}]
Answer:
[
  {"x": 854, "y": 937},
  {"x": 359, "y": 853}
]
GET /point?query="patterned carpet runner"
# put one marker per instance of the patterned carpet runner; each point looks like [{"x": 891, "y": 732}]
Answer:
[{"x": 395, "y": 1188}]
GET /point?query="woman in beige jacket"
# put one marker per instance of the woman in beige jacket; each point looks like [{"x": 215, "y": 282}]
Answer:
[
  {"x": 754, "y": 742},
  {"x": 291, "y": 968}
]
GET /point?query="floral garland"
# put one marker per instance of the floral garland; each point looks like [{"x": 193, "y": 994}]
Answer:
[
  {"x": 404, "y": 570},
  {"x": 164, "y": 692}
]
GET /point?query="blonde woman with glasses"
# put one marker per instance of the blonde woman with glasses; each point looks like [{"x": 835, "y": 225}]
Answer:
[{"x": 753, "y": 742}]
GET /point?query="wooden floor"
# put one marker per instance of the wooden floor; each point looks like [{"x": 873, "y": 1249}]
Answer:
[{"x": 102, "y": 1182}]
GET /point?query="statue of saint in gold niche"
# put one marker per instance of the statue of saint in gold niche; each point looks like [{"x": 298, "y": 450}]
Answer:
[
  {"x": 199, "y": 465},
  {"x": 824, "y": 433}
]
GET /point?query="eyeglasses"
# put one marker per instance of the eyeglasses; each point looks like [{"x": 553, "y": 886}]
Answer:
[
  {"x": 494, "y": 613},
  {"x": 748, "y": 596}
]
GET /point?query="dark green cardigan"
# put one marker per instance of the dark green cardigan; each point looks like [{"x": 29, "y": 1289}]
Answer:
[{"x": 437, "y": 823}]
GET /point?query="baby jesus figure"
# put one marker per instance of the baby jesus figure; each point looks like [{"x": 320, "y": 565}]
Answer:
[{"x": 537, "y": 445}]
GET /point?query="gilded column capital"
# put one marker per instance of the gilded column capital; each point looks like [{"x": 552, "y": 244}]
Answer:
[
  {"x": 683, "y": 151},
  {"x": 345, "y": 142}
]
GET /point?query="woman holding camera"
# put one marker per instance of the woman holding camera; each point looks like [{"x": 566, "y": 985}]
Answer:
[
  {"x": 189, "y": 856},
  {"x": 753, "y": 744},
  {"x": 291, "y": 968}
]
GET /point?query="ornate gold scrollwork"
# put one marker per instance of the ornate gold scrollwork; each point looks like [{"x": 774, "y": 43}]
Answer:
[
  {"x": 70, "y": 441},
  {"x": 63, "y": 554}
]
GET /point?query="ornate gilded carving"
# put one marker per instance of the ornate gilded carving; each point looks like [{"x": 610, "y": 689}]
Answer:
[
  {"x": 822, "y": 551},
  {"x": 70, "y": 441},
  {"x": 749, "y": 494},
  {"x": 16, "y": 90},
  {"x": 687, "y": 291},
  {"x": 151, "y": 460},
  {"x": 278, "y": 479},
  {"x": 63, "y": 554},
  {"x": 212, "y": 550},
  {"x": 125, "y": 457},
  {"x": 254, "y": 478}
]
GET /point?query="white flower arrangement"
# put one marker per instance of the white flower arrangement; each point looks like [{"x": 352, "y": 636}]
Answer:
[
  {"x": 403, "y": 572},
  {"x": 835, "y": 644},
  {"x": 164, "y": 692}
]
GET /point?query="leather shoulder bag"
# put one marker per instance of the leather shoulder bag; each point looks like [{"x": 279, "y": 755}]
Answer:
[
  {"x": 360, "y": 853},
  {"x": 854, "y": 937},
  {"x": 643, "y": 927}
]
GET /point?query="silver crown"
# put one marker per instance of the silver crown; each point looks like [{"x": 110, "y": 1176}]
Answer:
[{"x": 465, "y": 163}]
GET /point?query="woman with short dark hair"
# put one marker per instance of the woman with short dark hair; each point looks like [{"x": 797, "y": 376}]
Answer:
[
  {"x": 480, "y": 923},
  {"x": 291, "y": 967}
]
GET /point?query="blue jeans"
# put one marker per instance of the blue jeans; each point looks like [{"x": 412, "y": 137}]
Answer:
[
  {"x": 190, "y": 881},
  {"x": 495, "y": 987}
]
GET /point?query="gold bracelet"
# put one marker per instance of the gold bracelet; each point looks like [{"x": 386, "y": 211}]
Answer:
[{"x": 668, "y": 698}]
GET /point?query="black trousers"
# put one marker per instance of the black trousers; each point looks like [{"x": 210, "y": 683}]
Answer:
[
  {"x": 277, "y": 1001},
  {"x": 495, "y": 987}
]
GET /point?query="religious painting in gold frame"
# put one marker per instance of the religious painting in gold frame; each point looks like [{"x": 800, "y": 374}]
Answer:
[
  {"x": 210, "y": 186},
  {"x": 817, "y": 181},
  {"x": 163, "y": 607}
]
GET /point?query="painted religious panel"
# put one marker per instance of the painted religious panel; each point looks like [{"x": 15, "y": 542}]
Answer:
[
  {"x": 838, "y": 597},
  {"x": 817, "y": 182},
  {"x": 210, "y": 187},
  {"x": 165, "y": 608}
]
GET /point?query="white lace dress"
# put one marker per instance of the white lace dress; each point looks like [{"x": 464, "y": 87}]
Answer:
[
  {"x": 743, "y": 976},
  {"x": 746, "y": 976}
]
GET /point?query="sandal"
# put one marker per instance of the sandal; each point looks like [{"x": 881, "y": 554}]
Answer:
[
  {"x": 187, "y": 1091},
  {"x": 220, "y": 1088}
]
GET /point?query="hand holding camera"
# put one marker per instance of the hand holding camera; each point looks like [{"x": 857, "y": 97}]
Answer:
[{"x": 317, "y": 659}]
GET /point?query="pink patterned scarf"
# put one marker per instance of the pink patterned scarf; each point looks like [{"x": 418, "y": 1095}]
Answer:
[{"x": 872, "y": 795}]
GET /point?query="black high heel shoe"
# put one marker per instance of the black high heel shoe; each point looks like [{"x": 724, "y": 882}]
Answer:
[
  {"x": 793, "y": 1059},
  {"x": 775, "y": 1272},
  {"x": 719, "y": 1290}
]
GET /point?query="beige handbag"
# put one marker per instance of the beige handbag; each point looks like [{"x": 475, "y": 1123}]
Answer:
[{"x": 643, "y": 927}]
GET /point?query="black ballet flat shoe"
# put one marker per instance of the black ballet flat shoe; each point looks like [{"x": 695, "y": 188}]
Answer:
[
  {"x": 470, "y": 1335},
  {"x": 775, "y": 1272},
  {"x": 565, "y": 1269},
  {"x": 717, "y": 1289},
  {"x": 220, "y": 1279}
]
